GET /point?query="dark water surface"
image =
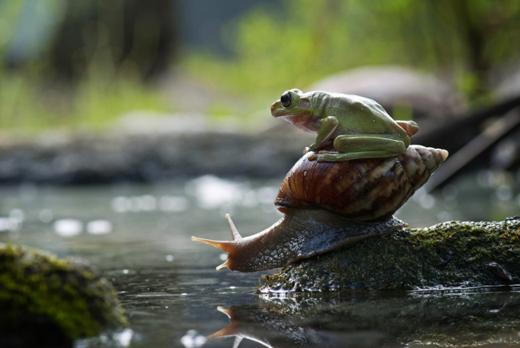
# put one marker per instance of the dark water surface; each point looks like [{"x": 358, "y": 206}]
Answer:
[{"x": 138, "y": 236}]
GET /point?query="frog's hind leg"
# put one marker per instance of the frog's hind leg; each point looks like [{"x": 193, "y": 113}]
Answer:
[
  {"x": 350, "y": 147},
  {"x": 410, "y": 127}
]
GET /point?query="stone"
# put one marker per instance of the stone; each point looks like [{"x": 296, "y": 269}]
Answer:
[
  {"x": 47, "y": 300},
  {"x": 449, "y": 254}
]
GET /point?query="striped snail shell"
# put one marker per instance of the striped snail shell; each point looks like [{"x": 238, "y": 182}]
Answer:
[{"x": 360, "y": 190}]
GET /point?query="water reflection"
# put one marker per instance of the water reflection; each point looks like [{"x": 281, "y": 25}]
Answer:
[
  {"x": 118, "y": 339},
  {"x": 481, "y": 318}
]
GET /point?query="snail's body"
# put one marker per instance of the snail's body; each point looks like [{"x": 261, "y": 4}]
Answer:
[
  {"x": 327, "y": 205},
  {"x": 299, "y": 234}
]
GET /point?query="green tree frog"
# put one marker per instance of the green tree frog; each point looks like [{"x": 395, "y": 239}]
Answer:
[{"x": 355, "y": 127}]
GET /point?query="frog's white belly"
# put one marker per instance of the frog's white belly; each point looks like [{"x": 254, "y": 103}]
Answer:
[{"x": 303, "y": 122}]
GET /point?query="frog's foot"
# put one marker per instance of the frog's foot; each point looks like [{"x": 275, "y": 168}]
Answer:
[
  {"x": 323, "y": 148},
  {"x": 315, "y": 155},
  {"x": 340, "y": 157},
  {"x": 350, "y": 147},
  {"x": 312, "y": 157},
  {"x": 410, "y": 127},
  {"x": 309, "y": 149}
]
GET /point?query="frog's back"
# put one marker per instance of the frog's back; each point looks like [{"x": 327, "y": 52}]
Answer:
[{"x": 360, "y": 114}]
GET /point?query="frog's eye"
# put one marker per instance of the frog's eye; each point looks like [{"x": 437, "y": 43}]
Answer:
[{"x": 286, "y": 99}]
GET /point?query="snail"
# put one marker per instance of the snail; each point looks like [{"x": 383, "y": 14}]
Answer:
[{"x": 327, "y": 205}]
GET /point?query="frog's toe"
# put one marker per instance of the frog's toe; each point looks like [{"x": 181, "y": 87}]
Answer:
[
  {"x": 312, "y": 157},
  {"x": 328, "y": 157}
]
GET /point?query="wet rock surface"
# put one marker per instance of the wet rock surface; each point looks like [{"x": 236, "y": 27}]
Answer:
[
  {"x": 447, "y": 254},
  {"x": 47, "y": 301},
  {"x": 107, "y": 158}
]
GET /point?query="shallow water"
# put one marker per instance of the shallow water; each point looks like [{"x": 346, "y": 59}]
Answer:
[{"x": 138, "y": 236}]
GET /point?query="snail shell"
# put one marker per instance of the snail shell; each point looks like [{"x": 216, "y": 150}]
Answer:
[
  {"x": 361, "y": 190},
  {"x": 327, "y": 205}
]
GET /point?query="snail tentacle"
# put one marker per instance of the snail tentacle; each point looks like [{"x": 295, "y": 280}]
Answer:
[
  {"x": 229, "y": 247},
  {"x": 234, "y": 231},
  {"x": 224, "y": 245}
]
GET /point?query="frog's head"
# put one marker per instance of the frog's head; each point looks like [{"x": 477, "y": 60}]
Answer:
[{"x": 295, "y": 107}]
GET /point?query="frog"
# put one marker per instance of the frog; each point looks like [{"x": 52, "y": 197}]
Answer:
[{"x": 348, "y": 126}]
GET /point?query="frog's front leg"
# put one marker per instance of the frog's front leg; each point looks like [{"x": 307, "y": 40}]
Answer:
[
  {"x": 328, "y": 126},
  {"x": 359, "y": 146}
]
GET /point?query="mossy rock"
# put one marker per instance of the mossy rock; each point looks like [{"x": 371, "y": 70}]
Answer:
[
  {"x": 447, "y": 254},
  {"x": 45, "y": 300}
]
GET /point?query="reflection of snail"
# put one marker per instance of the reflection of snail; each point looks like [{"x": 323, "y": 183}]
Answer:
[
  {"x": 327, "y": 205},
  {"x": 274, "y": 321}
]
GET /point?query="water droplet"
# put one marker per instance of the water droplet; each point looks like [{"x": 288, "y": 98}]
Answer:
[
  {"x": 169, "y": 258},
  {"x": 212, "y": 192},
  {"x": 223, "y": 257},
  {"x": 144, "y": 203},
  {"x": 45, "y": 216},
  {"x": 68, "y": 227},
  {"x": 193, "y": 339},
  {"x": 99, "y": 227},
  {"x": 17, "y": 215},
  {"x": 6, "y": 224},
  {"x": 125, "y": 271},
  {"x": 124, "y": 337},
  {"x": 121, "y": 204}
]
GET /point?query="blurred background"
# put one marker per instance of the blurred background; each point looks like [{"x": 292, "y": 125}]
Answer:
[
  {"x": 68, "y": 65},
  {"x": 110, "y": 91}
]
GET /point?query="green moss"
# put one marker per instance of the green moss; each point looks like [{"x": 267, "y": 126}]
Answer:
[
  {"x": 448, "y": 254},
  {"x": 43, "y": 295}
]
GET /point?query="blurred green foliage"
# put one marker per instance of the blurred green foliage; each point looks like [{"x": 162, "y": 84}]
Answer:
[
  {"x": 96, "y": 102},
  {"x": 276, "y": 49},
  {"x": 33, "y": 98}
]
